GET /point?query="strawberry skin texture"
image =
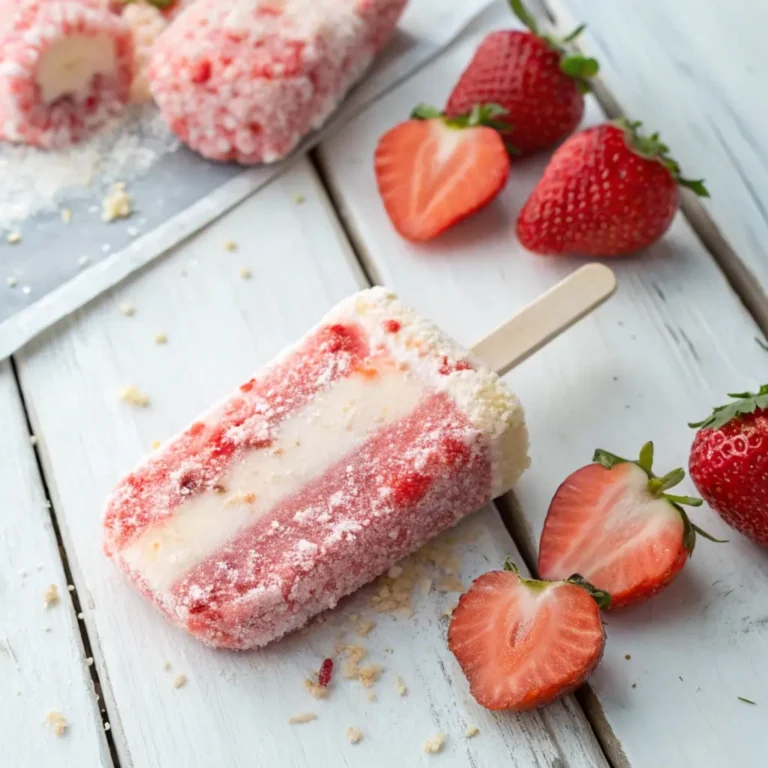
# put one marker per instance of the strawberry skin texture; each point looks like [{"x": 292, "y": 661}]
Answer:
[
  {"x": 598, "y": 525},
  {"x": 521, "y": 646},
  {"x": 521, "y": 72},
  {"x": 431, "y": 176},
  {"x": 598, "y": 197},
  {"x": 729, "y": 467}
]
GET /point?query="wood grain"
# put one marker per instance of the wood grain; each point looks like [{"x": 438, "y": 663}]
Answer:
[
  {"x": 660, "y": 353},
  {"x": 234, "y": 708},
  {"x": 42, "y": 663}
]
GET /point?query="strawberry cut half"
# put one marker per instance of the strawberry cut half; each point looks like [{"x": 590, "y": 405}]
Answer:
[
  {"x": 614, "y": 522},
  {"x": 523, "y": 643},
  {"x": 433, "y": 171}
]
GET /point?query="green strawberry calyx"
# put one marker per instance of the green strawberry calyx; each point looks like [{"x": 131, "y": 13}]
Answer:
[
  {"x": 653, "y": 148},
  {"x": 658, "y": 487},
  {"x": 580, "y": 68},
  {"x": 744, "y": 403},
  {"x": 600, "y": 596},
  {"x": 488, "y": 115}
]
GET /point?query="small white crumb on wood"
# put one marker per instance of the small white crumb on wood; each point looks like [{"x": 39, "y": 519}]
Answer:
[
  {"x": 230, "y": 245},
  {"x": 71, "y": 587},
  {"x": 33, "y": 440},
  {"x": 127, "y": 309},
  {"x": 304, "y": 717},
  {"x": 354, "y": 735},
  {"x": 179, "y": 681},
  {"x": 81, "y": 616},
  {"x": 51, "y": 596},
  {"x": 89, "y": 661},
  {"x": 133, "y": 396},
  {"x": 161, "y": 338},
  {"x": 107, "y": 727},
  {"x": 298, "y": 198},
  {"x": 472, "y": 730},
  {"x": 400, "y": 685},
  {"x": 14, "y": 237},
  {"x": 66, "y": 215},
  {"x": 11, "y": 281},
  {"x": 117, "y": 204},
  {"x": 58, "y": 722},
  {"x": 245, "y": 273},
  {"x": 435, "y": 744}
]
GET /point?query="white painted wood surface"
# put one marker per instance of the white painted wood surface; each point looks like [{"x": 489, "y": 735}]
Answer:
[
  {"x": 659, "y": 354},
  {"x": 696, "y": 71},
  {"x": 42, "y": 663},
  {"x": 234, "y": 708}
]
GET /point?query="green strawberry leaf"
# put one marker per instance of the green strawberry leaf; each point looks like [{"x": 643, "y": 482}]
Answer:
[
  {"x": 745, "y": 402},
  {"x": 600, "y": 596},
  {"x": 522, "y": 13},
  {"x": 425, "y": 112}
]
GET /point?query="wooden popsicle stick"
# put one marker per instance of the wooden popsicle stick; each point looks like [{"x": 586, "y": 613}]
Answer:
[{"x": 546, "y": 318}]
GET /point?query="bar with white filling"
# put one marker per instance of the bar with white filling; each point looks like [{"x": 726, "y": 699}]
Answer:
[{"x": 353, "y": 448}]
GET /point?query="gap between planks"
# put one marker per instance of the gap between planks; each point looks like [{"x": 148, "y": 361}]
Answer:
[{"x": 75, "y": 603}]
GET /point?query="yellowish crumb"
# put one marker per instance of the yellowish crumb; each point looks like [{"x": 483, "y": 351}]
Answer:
[
  {"x": 161, "y": 338},
  {"x": 230, "y": 245},
  {"x": 71, "y": 587},
  {"x": 400, "y": 685},
  {"x": 11, "y": 282},
  {"x": 167, "y": 665},
  {"x": 66, "y": 215},
  {"x": 179, "y": 681},
  {"x": 354, "y": 735},
  {"x": 362, "y": 626},
  {"x": 155, "y": 445},
  {"x": 51, "y": 596},
  {"x": 58, "y": 722},
  {"x": 298, "y": 198},
  {"x": 133, "y": 396},
  {"x": 127, "y": 309},
  {"x": 472, "y": 730},
  {"x": 241, "y": 498},
  {"x": 304, "y": 717},
  {"x": 450, "y": 583},
  {"x": 33, "y": 439},
  {"x": 435, "y": 744},
  {"x": 371, "y": 696},
  {"x": 395, "y": 572},
  {"x": 14, "y": 237},
  {"x": 316, "y": 690},
  {"x": 89, "y": 661},
  {"x": 116, "y": 204},
  {"x": 369, "y": 674},
  {"x": 245, "y": 273}
]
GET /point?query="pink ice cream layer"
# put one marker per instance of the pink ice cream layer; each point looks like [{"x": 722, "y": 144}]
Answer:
[
  {"x": 351, "y": 450},
  {"x": 246, "y": 80}
]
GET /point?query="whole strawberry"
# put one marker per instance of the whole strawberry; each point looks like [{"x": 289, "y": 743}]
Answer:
[
  {"x": 533, "y": 77},
  {"x": 729, "y": 463},
  {"x": 607, "y": 191}
]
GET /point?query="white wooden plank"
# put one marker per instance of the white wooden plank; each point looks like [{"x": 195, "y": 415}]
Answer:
[
  {"x": 696, "y": 72},
  {"x": 234, "y": 708},
  {"x": 42, "y": 664},
  {"x": 657, "y": 355}
]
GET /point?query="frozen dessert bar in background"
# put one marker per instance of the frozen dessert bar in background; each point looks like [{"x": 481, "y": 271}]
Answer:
[
  {"x": 352, "y": 449},
  {"x": 66, "y": 68},
  {"x": 246, "y": 80}
]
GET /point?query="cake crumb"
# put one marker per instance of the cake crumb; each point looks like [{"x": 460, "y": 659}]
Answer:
[
  {"x": 315, "y": 689},
  {"x": 161, "y": 338},
  {"x": 369, "y": 674},
  {"x": 400, "y": 685},
  {"x": 179, "y": 681},
  {"x": 450, "y": 583},
  {"x": 472, "y": 730},
  {"x": 240, "y": 498},
  {"x": 11, "y": 281},
  {"x": 133, "y": 396},
  {"x": 81, "y": 616},
  {"x": 33, "y": 439},
  {"x": 14, "y": 237},
  {"x": 127, "y": 309},
  {"x": 51, "y": 596},
  {"x": 435, "y": 744},
  {"x": 58, "y": 722},
  {"x": 66, "y": 215},
  {"x": 167, "y": 665},
  {"x": 71, "y": 587},
  {"x": 362, "y": 626},
  {"x": 304, "y": 717},
  {"x": 371, "y": 696},
  {"x": 298, "y": 198},
  {"x": 245, "y": 273},
  {"x": 395, "y": 572},
  {"x": 354, "y": 735},
  {"x": 89, "y": 661},
  {"x": 155, "y": 445},
  {"x": 230, "y": 245},
  {"x": 107, "y": 727},
  {"x": 116, "y": 204}
]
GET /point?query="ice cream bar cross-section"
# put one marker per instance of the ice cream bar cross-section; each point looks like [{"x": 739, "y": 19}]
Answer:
[{"x": 353, "y": 448}]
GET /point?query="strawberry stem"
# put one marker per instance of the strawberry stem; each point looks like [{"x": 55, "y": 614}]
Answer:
[{"x": 745, "y": 402}]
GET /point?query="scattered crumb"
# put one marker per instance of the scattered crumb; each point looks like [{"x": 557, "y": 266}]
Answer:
[
  {"x": 11, "y": 282},
  {"x": 133, "y": 396},
  {"x": 369, "y": 674},
  {"x": 82, "y": 261},
  {"x": 155, "y": 445},
  {"x": 435, "y": 743},
  {"x": 298, "y": 198},
  {"x": 25, "y": 289},
  {"x": 107, "y": 727},
  {"x": 472, "y": 730},
  {"x": 14, "y": 237},
  {"x": 362, "y": 626},
  {"x": 161, "y": 338},
  {"x": 627, "y": 657},
  {"x": 66, "y": 215},
  {"x": 127, "y": 309},
  {"x": 230, "y": 245},
  {"x": 450, "y": 583},
  {"x": 304, "y": 717},
  {"x": 57, "y": 721},
  {"x": 400, "y": 685},
  {"x": 89, "y": 661},
  {"x": 395, "y": 572},
  {"x": 71, "y": 587},
  {"x": 354, "y": 735},
  {"x": 167, "y": 665},
  {"x": 245, "y": 273},
  {"x": 241, "y": 498},
  {"x": 33, "y": 440},
  {"x": 51, "y": 596},
  {"x": 371, "y": 696},
  {"x": 81, "y": 616},
  {"x": 315, "y": 689},
  {"x": 179, "y": 681},
  {"x": 117, "y": 204}
]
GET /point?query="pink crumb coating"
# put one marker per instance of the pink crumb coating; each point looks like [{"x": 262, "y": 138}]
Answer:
[
  {"x": 28, "y": 31},
  {"x": 246, "y": 80}
]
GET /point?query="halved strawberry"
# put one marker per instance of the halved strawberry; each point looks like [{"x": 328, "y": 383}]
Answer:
[
  {"x": 523, "y": 643},
  {"x": 614, "y": 522},
  {"x": 433, "y": 171}
]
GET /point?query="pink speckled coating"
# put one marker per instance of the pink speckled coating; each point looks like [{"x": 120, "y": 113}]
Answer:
[
  {"x": 246, "y": 80},
  {"x": 28, "y": 29}
]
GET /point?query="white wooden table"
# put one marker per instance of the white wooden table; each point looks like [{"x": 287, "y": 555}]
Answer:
[{"x": 673, "y": 340}]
